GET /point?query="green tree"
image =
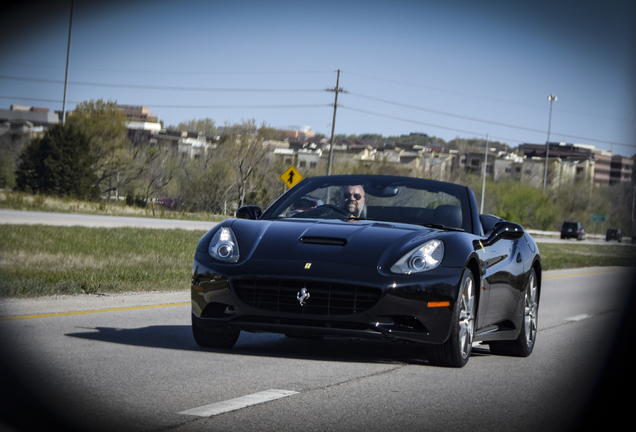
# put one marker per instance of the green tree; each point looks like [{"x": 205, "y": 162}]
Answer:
[
  {"x": 105, "y": 126},
  {"x": 12, "y": 145},
  {"x": 58, "y": 164},
  {"x": 521, "y": 203},
  {"x": 207, "y": 126},
  {"x": 117, "y": 162}
]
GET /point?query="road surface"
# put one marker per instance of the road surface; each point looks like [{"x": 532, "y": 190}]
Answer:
[{"x": 129, "y": 362}]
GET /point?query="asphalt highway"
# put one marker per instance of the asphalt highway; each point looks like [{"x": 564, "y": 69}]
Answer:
[
  {"x": 129, "y": 362},
  {"x": 70, "y": 219}
]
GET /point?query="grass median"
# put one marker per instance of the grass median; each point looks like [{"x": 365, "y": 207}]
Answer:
[{"x": 37, "y": 260}]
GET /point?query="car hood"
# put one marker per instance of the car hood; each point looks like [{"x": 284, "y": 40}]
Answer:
[{"x": 360, "y": 242}]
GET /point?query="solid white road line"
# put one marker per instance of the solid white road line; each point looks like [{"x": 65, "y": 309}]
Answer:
[{"x": 238, "y": 403}]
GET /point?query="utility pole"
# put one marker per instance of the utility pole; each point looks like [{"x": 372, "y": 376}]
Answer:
[
  {"x": 68, "y": 52},
  {"x": 336, "y": 90}
]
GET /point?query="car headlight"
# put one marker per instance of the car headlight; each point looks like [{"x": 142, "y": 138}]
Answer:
[
  {"x": 223, "y": 246},
  {"x": 423, "y": 258}
]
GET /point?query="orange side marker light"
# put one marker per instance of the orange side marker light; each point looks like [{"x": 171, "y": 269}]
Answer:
[{"x": 438, "y": 304}]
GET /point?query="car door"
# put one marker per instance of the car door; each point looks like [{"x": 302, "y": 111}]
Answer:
[{"x": 502, "y": 269}]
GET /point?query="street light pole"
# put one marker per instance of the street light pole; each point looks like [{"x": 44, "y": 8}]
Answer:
[
  {"x": 483, "y": 186},
  {"x": 551, "y": 98}
]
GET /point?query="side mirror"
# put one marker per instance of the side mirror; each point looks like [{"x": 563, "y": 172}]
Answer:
[
  {"x": 249, "y": 212},
  {"x": 488, "y": 222},
  {"x": 504, "y": 231}
]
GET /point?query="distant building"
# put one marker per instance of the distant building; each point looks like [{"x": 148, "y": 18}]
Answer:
[
  {"x": 579, "y": 162},
  {"x": 34, "y": 116},
  {"x": 187, "y": 144},
  {"x": 438, "y": 162},
  {"x": 142, "y": 125},
  {"x": 622, "y": 170},
  {"x": 138, "y": 113},
  {"x": 302, "y": 134},
  {"x": 300, "y": 155}
]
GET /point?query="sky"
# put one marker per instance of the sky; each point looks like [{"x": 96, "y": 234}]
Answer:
[{"x": 450, "y": 69}]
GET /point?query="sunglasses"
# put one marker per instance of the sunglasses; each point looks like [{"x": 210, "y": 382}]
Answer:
[{"x": 357, "y": 196}]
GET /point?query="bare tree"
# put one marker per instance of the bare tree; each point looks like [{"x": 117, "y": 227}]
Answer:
[{"x": 241, "y": 145}]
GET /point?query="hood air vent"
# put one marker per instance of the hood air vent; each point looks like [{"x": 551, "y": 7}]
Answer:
[{"x": 329, "y": 241}]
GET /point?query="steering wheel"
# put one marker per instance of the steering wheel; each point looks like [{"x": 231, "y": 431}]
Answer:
[{"x": 327, "y": 211}]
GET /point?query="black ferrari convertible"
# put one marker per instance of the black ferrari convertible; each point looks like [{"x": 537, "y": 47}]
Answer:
[{"x": 380, "y": 257}]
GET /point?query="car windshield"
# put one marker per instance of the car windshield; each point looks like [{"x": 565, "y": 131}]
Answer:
[{"x": 376, "y": 198}]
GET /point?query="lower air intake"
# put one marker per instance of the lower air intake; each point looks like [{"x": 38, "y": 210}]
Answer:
[{"x": 324, "y": 298}]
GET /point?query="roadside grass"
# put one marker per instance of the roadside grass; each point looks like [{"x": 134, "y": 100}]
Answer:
[
  {"x": 38, "y": 260},
  {"x": 577, "y": 255},
  {"x": 45, "y": 203}
]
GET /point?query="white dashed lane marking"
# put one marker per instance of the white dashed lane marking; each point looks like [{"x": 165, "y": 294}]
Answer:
[
  {"x": 238, "y": 403},
  {"x": 579, "y": 317}
]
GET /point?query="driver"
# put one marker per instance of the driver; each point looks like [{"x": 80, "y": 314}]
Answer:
[{"x": 352, "y": 200}]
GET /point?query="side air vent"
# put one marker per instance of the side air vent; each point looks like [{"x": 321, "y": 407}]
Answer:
[{"x": 329, "y": 241}]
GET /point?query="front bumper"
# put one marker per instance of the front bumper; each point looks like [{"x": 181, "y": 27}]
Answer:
[{"x": 347, "y": 301}]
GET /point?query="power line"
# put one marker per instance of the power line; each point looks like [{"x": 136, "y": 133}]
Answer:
[
  {"x": 314, "y": 72},
  {"x": 242, "y": 106},
  {"x": 190, "y": 106},
  {"x": 482, "y": 120},
  {"x": 258, "y": 90},
  {"x": 489, "y": 98},
  {"x": 179, "y": 72},
  {"x": 425, "y": 124},
  {"x": 444, "y": 113},
  {"x": 34, "y": 99},
  {"x": 149, "y": 87}
]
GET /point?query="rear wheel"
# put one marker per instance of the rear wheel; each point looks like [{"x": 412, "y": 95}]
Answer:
[
  {"x": 524, "y": 344},
  {"x": 214, "y": 339},
  {"x": 455, "y": 352}
]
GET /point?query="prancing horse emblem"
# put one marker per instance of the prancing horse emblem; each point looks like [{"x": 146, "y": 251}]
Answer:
[{"x": 302, "y": 296}]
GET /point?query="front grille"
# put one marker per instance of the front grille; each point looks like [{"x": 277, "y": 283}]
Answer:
[{"x": 325, "y": 298}]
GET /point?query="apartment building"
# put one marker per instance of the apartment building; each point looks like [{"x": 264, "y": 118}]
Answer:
[
  {"x": 621, "y": 170},
  {"x": 579, "y": 162},
  {"x": 29, "y": 115}
]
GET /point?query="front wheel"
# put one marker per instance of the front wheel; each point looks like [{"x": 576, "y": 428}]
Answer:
[
  {"x": 524, "y": 344},
  {"x": 455, "y": 352},
  {"x": 210, "y": 339}
]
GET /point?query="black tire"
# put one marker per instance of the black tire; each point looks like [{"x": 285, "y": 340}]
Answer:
[
  {"x": 455, "y": 352},
  {"x": 214, "y": 339},
  {"x": 524, "y": 344}
]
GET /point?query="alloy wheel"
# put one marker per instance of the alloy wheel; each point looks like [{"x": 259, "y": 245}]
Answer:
[
  {"x": 467, "y": 317},
  {"x": 531, "y": 309}
]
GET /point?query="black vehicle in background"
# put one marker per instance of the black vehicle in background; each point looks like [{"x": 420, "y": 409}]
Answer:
[
  {"x": 572, "y": 229},
  {"x": 614, "y": 234}
]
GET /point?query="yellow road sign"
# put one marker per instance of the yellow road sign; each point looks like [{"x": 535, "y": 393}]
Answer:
[{"x": 291, "y": 177}]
